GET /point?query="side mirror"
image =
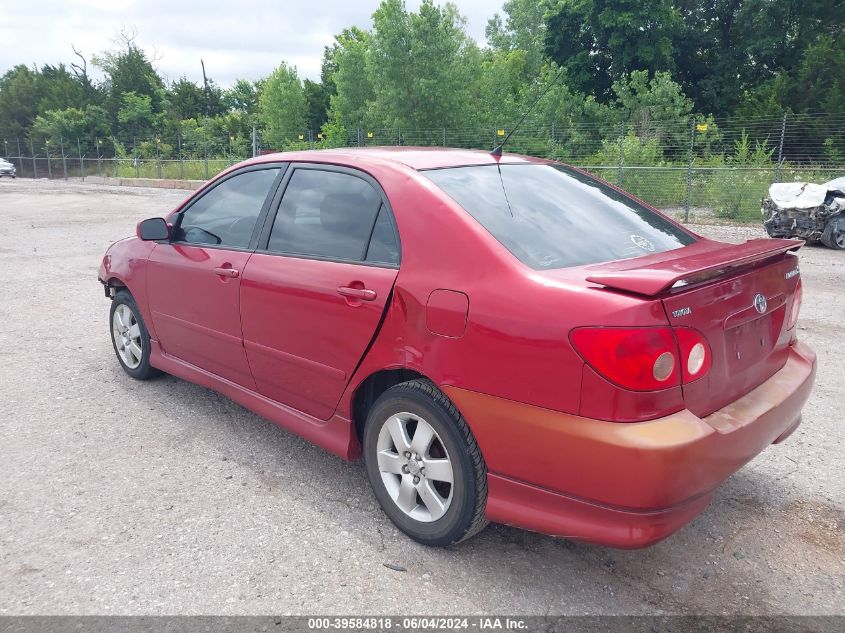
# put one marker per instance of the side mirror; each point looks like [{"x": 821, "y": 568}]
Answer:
[{"x": 153, "y": 229}]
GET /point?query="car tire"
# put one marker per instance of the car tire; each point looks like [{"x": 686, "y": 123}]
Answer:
[
  {"x": 130, "y": 338},
  {"x": 833, "y": 235},
  {"x": 415, "y": 418}
]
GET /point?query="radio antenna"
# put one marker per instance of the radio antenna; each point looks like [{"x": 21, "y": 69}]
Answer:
[{"x": 497, "y": 151}]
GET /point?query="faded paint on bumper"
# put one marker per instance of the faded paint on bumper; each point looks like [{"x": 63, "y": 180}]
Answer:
[{"x": 624, "y": 484}]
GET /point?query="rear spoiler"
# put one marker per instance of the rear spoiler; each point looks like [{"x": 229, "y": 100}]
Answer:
[{"x": 698, "y": 262}]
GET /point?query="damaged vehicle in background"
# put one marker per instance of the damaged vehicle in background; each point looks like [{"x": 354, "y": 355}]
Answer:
[{"x": 815, "y": 213}]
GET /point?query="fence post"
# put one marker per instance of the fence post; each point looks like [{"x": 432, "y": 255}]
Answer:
[
  {"x": 689, "y": 169},
  {"x": 20, "y": 156},
  {"x": 81, "y": 160},
  {"x": 158, "y": 157},
  {"x": 254, "y": 143},
  {"x": 64, "y": 157},
  {"x": 553, "y": 132},
  {"x": 399, "y": 136},
  {"x": 619, "y": 167},
  {"x": 182, "y": 161},
  {"x": 49, "y": 165},
  {"x": 34, "y": 164},
  {"x": 136, "y": 159},
  {"x": 205, "y": 145},
  {"x": 444, "y": 137},
  {"x": 97, "y": 142},
  {"x": 116, "y": 158},
  {"x": 780, "y": 149}
]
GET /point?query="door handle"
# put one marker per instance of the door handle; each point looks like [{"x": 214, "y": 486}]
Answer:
[
  {"x": 226, "y": 272},
  {"x": 362, "y": 294}
]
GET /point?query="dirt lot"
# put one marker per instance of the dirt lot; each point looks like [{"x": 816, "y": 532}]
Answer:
[{"x": 162, "y": 497}]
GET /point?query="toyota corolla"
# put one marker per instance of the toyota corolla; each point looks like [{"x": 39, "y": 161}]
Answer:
[{"x": 501, "y": 338}]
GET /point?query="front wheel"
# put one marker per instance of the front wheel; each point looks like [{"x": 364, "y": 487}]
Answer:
[
  {"x": 130, "y": 338},
  {"x": 424, "y": 465}
]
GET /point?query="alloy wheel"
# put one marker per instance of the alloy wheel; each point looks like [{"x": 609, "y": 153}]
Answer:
[
  {"x": 415, "y": 467},
  {"x": 126, "y": 333}
]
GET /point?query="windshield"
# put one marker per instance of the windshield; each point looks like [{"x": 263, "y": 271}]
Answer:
[{"x": 552, "y": 216}]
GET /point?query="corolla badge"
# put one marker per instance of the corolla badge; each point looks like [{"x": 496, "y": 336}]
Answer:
[
  {"x": 642, "y": 242},
  {"x": 760, "y": 303}
]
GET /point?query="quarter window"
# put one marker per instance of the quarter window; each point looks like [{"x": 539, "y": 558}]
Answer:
[
  {"x": 226, "y": 215},
  {"x": 384, "y": 247},
  {"x": 326, "y": 214}
]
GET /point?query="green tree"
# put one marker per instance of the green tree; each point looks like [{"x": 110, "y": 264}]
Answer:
[
  {"x": 20, "y": 94},
  {"x": 348, "y": 68},
  {"x": 136, "y": 114},
  {"x": 243, "y": 97},
  {"x": 653, "y": 108},
  {"x": 129, "y": 70},
  {"x": 317, "y": 100},
  {"x": 522, "y": 29},
  {"x": 601, "y": 41},
  {"x": 816, "y": 84},
  {"x": 60, "y": 125},
  {"x": 71, "y": 124},
  {"x": 97, "y": 122},
  {"x": 418, "y": 65},
  {"x": 60, "y": 89},
  {"x": 282, "y": 106},
  {"x": 717, "y": 50},
  {"x": 187, "y": 100}
]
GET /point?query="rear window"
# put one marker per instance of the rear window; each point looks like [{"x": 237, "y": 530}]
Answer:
[{"x": 552, "y": 216}]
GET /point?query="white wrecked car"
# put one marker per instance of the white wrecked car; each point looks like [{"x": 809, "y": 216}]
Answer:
[{"x": 815, "y": 213}]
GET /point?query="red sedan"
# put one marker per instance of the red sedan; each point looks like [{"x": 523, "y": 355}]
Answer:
[{"x": 502, "y": 338}]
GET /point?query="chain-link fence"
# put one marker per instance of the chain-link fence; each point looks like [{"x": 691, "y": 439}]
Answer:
[
  {"x": 123, "y": 157},
  {"x": 692, "y": 166}
]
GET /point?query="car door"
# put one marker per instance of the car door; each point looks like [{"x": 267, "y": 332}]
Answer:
[
  {"x": 314, "y": 292},
  {"x": 193, "y": 281}
]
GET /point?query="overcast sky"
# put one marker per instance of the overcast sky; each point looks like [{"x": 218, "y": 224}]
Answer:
[{"x": 235, "y": 38}]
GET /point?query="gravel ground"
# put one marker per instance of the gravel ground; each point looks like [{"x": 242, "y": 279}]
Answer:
[{"x": 120, "y": 497}]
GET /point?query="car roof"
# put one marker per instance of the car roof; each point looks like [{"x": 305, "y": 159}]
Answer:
[{"x": 418, "y": 158}]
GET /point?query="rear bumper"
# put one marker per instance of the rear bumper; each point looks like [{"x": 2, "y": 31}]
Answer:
[{"x": 625, "y": 484}]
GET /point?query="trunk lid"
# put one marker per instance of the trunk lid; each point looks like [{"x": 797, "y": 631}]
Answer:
[{"x": 738, "y": 296}]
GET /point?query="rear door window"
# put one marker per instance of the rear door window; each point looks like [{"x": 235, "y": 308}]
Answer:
[
  {"x": 331, "y": 215},
  {"x": 552, "y": 216}
]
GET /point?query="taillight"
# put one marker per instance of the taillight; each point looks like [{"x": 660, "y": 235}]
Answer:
[
  {"x": 796, "y": 305},
  {"x": 695, "y": 353},
  {"x": 641, "y": 359}
]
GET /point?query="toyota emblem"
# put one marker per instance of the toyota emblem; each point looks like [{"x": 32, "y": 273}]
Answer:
[
  {"x": 760, "y": 303},
  {"x": 642, "y": 243}
]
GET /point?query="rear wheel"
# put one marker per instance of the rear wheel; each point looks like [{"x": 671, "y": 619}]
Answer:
[
  {"x": 424, "y": 465},
  {"x": 833, "y": 235},
  {"x": 130, "y": 338}
]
